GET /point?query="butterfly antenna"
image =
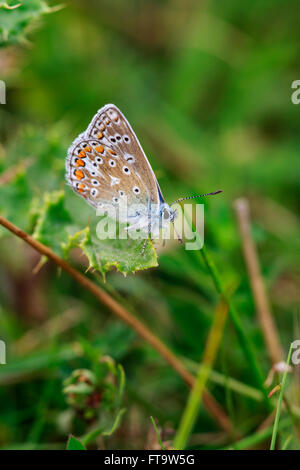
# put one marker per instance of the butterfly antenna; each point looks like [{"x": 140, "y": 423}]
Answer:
[{"x": 193, "y": 197}]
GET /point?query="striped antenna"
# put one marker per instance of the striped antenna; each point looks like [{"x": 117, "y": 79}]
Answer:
[{"x": 193, "y": 197}]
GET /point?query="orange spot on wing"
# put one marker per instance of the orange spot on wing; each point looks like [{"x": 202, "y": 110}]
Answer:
[
  {"x": 100, "y": 135},
  {"x": 79, "y": 162},
  {"x": 99, "y": 148},
  {"x": 79, "y": 174},
  {"x": 81, "y": 187},
  {"x": 82, "y": 154},
  {"x": 112, "y": 152},
  {"x": 102, "y": 127},
  {"x": 88, "y": 149}
]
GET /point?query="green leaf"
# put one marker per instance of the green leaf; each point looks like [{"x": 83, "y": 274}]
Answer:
[
  {"x": 125, "y": 255},
  {"x": 74, "y": 444},
  {"x": 18, "y": 18}
]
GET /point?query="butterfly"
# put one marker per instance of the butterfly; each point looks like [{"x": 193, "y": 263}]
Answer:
[{"x": 107, "y": 166}]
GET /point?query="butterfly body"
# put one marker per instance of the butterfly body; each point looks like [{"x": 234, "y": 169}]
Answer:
[{"x": 106, "y": 165}]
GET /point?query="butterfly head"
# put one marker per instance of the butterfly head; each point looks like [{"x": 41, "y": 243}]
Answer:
[{"x": 167, "y": 214}]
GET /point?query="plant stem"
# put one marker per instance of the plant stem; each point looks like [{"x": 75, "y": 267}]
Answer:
[
  {"x": 244, "y": 340},
  {"x": 194, "y": 401},
  {"x": 157, "y": 433},
  {"x": 225, "y": 381},
  {"x": 263, "y": 308},
  {"x": 277, "y": 416}
]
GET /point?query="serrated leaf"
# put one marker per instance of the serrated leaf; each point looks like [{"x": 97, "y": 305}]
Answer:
[
  {"x": 125, "y": 255},
  {"x": 56, "y": 228},
  {"x": 74, "y": 444}
]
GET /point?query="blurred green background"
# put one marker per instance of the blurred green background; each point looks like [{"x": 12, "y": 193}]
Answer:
[{"x": 207, "y": 88}]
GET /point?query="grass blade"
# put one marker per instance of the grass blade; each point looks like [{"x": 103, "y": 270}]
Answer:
[
  {"x": 157, "y": 433},
  {"x": 194, "y": 401},
  {"x": 245, "y": 343},
  {"x": 277, "y": 416}
]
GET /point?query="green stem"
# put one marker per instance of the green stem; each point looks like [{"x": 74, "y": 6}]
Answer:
[
  {"x": 157, "y": 433},
  {"x": 226, "y": 381},
  {"x": 195, "y": 397},
  {"x": 277, "y": 416}
]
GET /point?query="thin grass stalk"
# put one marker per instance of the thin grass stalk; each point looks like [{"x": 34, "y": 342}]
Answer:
[
  {"x": 277, "y": 416},
  {"x": 190, "y": 413},
  {"x": 244, "y": 340}
]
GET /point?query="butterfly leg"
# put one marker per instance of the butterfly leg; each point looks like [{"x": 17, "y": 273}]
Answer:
[
  {"x": 149, "y": 228},
  {"x": 178, "y": 236}
]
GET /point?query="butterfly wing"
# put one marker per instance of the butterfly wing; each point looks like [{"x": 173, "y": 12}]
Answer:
[{"x": 106, "y": 164}]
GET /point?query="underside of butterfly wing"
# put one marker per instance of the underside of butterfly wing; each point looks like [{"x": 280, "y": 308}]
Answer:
[{"x": 106, "y": 164}]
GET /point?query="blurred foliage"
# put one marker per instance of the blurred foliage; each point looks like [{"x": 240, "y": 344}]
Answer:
[
  {"x": 207, "y": 87},
  {"x": 18, "y": 18},
  {"x": 95, "y": 397}
]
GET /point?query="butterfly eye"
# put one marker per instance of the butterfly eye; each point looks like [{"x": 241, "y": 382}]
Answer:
[
  {"x": 113, "y": 140},
  {"x": 136, "y": 190},
  {"x": 166, "y": 214},
  {"x": 99, "y": 160},
  {"x": 121, "y": 193},
  {"x": 126, "y": 170},
  {"x": 126, "y": 139},
  {"x": 118, "y": 137},
  {"x": 115, "y": 199},
  {"x": 112, "y": 163},
  {"x": 95, "y": 182}
]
